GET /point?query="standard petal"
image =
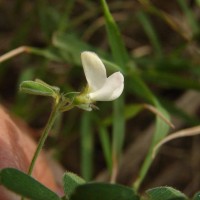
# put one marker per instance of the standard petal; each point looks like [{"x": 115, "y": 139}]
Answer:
[
  {"x": 94, "y": 69},
  {"x": 111, "y": 90}
]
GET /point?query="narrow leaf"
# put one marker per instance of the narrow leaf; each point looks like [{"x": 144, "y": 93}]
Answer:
[
  {"x": 121, "y": 58},
  {"x": 86, "y": 147},
  {"x": 189, "y": 13},
  {"x": 182, "y": 133},
  {"x": 106, "y": 145},
  {"x": 119, "y": 52},
  {"x": 50, "y": 53},
  {"x": 132, "y": 110},
  {"x": 153, "y": 37},
  {"x": 171, "y": 80},
  {"x": 38, "y": 88},
  {"x": 161, "y": 130}
]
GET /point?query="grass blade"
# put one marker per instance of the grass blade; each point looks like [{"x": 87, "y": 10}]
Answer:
[
  {"x": 121, "y": 58},
  {"x": 143, "y": 18},
  {"x": 86, "y": 147},
  {"x": 118, "y": 49}
]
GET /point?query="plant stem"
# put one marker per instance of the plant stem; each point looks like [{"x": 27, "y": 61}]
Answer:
[
  {"x": 51, "y": 120},
  {"x": 45, "y": 133}
]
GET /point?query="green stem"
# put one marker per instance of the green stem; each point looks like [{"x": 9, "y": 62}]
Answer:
[
  {"x": 51, "y": 120},
  {"x": 43, "y": 138}
]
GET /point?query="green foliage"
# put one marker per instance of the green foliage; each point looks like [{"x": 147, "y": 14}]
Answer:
[
  {"x": 39, "y": 87},
  {"x": 144, "y": 19},
  {"x": 121, "y": 58},
  {"x": 196, "y": 196},
  {"x": 105, "y": 142},
  {"x": 25, "y": 185},
  {"x": 71, "y": 182},
  {"x": 62, "y": 34},
  {"x": 87, "y": 147},
  {"x": 99, "y": 191},
  {"x": 165, "y": 193},
  {"x": 114, "y": 37}
]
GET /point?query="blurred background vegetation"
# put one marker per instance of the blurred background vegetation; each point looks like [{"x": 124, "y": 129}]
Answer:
[{"x": 161, "y": 40}]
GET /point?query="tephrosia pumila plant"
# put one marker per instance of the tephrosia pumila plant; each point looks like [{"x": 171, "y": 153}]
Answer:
[
  {"x": 99, "y": 88},
  {"x": 153, "y": 62}
]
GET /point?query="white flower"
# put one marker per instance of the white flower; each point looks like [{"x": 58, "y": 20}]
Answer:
[{"x": 100, "y": 87}]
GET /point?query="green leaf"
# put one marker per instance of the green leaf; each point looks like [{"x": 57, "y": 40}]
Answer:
[
  {"x": 192, "y": 20},
  {"x": 161, "y": 130},
  {"x": 121, "y": 58},
  {"x": 171, "y": 80},
  {"x": 119, "y": 52},
  {"x": 165, "y": 193},
  {"x": 70, "y": 47},
  {"x": 87, "y": 145},
  {"x": 51, "y": 53},
  {"x": 71, "y": 182},
  {"x": 118, "y": 127},
  {"x": 196, "y": 196},
  {"x": 106, "y": 145},
  {"x": 132, "y": 110},
  {"x": 103, "y": 191},
  {"x": 153, "y": 37},
  {"x": 39, "y": 87},
  {"x": 139, "y": 87},
  {"x": 25, "y": 185}
]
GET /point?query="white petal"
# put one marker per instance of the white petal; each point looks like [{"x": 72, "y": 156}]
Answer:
[
  {"x": 94, "y": 69},
  {"x": 111, "y": 90}
]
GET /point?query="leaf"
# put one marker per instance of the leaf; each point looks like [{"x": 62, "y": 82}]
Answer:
[
  {"x": 165, "y": 193},
  {"x": 192, "y": 20},
  {"x": 121, "y": 58},
  {"x": 132, "y": 110},
  {"x": 103, "y": 191},
  {"x": 87, "y": 145},
  {"x": 151, "y": 33},
  {"x": 70, "y": 48},
  {"x": 118, "y": 128},
  {"x": 51, "y": 53},
  {"x": 171, "y": 80},
  {"x": 196, "y": 196},
  {"x": 39, "y": 87},
  {"x": 119, "y": 52},
  {"x": 149, "y": 6},
  {"x": 71, "y": 182},
  {"x": 195, "y": 130},
  {"x": 25, "y": 185},
  {"x": 54, "y": 88},
  {"x": 161, "y": 129},
  {"x": 106, "y": 145}
]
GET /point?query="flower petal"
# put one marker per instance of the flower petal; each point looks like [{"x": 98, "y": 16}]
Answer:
[
  {"x": 94, "y": 69},
  {"x": 111, "y": 90}
]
